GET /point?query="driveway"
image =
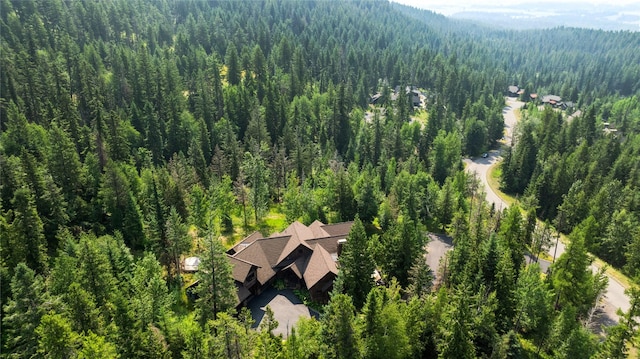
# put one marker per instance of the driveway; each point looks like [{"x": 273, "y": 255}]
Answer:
[
  {"x": 437, "y": 247},
  {"x": 287, "y": 309}
]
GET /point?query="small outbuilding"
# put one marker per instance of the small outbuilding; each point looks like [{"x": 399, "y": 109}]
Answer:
[{"x": 191, "y": 264}]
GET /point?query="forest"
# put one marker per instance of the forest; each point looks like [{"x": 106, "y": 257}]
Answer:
[{"x": 135, "y": 133}]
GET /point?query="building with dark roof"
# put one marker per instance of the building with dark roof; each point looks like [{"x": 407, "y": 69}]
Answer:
[
  {"x": 303, "y": 257},
  {"x": 553, "y": 100}
]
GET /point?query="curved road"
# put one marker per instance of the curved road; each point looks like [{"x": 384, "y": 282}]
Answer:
[{"x": 614, "y": 296}]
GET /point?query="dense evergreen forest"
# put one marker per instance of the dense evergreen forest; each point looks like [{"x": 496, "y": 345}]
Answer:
[{"x": 134, "y": 133}]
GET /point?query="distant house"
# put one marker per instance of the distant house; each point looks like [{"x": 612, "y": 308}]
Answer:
[
  {"x": 415, "y": 97},
  {"x": 610, "y": 129},
  {"x": 512, "y": 91},
  {"x": 303, "y": 257},
  {"x": 553, "y": 100},
  {"x": 411, "y": 91},
  {"x": 375, "y": 98}
]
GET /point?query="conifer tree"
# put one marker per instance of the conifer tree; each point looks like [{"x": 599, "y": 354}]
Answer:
[
  {"x": 216, "y": 289},
  {"x": 22, "y": 314},
  {"x": 356, "y": 264},
  {"x": 26, "y": 233},
  {"x": 338, "y": 331},
  {"x": 55, "y": 337}
]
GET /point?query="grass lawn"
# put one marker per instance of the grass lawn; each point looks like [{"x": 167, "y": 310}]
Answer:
[
  {"x": 421, "y": 116},
  {"x": 273, "y": 221},
  {"x": 495, "y": 171}
]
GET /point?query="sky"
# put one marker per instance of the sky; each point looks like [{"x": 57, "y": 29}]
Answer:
[
  {"x": 528, "y": 14},
  {"x": 477, "y": 3},
  {"x": 447, "y": 7}
]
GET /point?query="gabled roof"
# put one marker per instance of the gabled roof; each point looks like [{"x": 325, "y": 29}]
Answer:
[
  {"x": 338, "y": 229},
  {"x": 299, "y": 230},
  {"x": 262, "y": 256},
  {"x": 270, "y": 255},
  {"x": 246, "y": 242},
  {"x": 241, "y": 268},
  {"x": 320, "y": 264},
  {"x": 551, "y": 98},
  {"x": 330, "y": 244},
  {"x": 298, "y": 266},
  {"x": 317, "y": 228},
  {"x": 299, "y": 234}
]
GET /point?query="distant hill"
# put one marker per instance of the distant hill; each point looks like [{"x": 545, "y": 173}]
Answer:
[{"x": 543, "y": 15}]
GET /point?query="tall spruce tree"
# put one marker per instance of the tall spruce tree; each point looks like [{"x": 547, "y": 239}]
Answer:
[
  {"x": 356, "y": 264},
  {"x": 216, "y": 289}
]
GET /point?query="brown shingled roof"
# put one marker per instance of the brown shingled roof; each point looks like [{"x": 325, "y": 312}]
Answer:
[
  {"x": 299, "y": 234},
  {"x": 318, "y": 231},
  {"x": 338, "y": 229},
  {"x": 241, "y": 268},
  {"x": 248, "y": 240},
  {"x": 320, "y": 264},
  {"x": 330, "y": 244},
  {"x": 298, "y": 266},
  {"x": 270, "y": 254}
]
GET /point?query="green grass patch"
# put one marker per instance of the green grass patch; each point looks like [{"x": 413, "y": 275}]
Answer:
[
  {"x": 614, "y": 273},
  {"x": 421, "y": 116},
  {"x": 495, "y": 172},
  {"x": 274, "y": 221}
]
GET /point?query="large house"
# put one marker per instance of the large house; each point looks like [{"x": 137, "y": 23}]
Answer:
[{"x": 302, "y": 257}]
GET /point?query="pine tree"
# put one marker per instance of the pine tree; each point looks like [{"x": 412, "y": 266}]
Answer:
[
  {"x": 384, "y": 332},
  {"x": 571, "y": 275},
  {"x": 455, "y": 336},
  {"x": 619, "y": 336},
  {"x": 150, "y": 298},
  {"x": 26, "y": 233},
  {"x": 258, "y": 179},
  {"x": 356, "y": 264},
  {"x": 233, "y": 64},
  {"x": 22, "y": 314},
  {"x": 367, "y": 203},
  {"x": 121, "y": 206},
  {"x": 95, "y": 272},
  {"x": 338, "y": 331},
  {"x": 55, "y": 337},
  {"x": 216, "y": 289},
  {"x": 178, "y": 242}
]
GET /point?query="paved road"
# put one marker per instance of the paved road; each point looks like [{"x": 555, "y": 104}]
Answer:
[
  {"x": 614, "y": 297},
  {"x": 480, "y": 166}
]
